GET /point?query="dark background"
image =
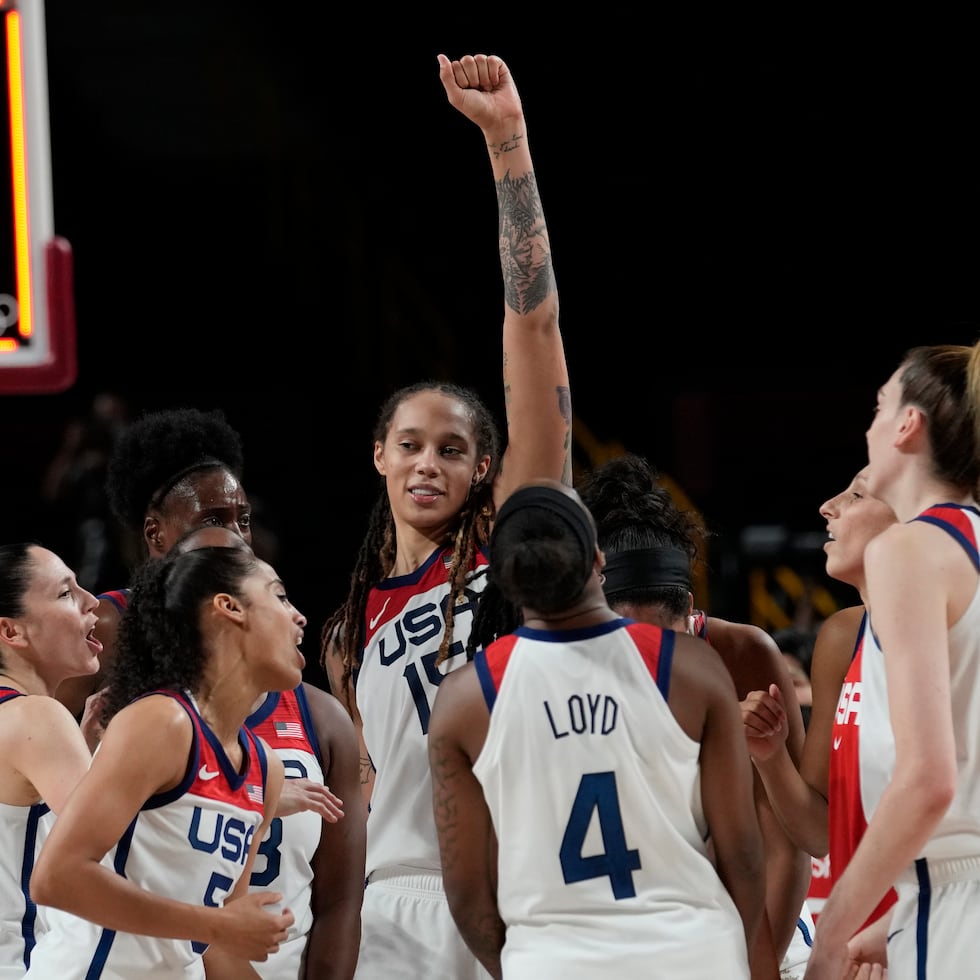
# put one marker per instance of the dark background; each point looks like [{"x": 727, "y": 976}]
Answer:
[{"x": 274, "y": 210}]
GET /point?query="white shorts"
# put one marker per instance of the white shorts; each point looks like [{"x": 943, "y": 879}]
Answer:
[
  {"x": 407, "y": 931},
  {"x": 936, "y": 921}
]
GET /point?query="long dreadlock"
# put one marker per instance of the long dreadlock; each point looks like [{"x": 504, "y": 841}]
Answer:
[{"x": 342, "y": 633}]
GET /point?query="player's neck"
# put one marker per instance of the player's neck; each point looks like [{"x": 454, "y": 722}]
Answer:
[{"x": 577, "y": 618}]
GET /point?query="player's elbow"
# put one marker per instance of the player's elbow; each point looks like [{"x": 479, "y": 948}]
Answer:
[
  {"x": 45, "y": 883},
  {"x": 928, "y": 788},
  {"x": 935, "y": 793}
]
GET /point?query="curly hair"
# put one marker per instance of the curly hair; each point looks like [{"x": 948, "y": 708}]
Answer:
[
  {"x": 160, "y": 645},
  {"x": 158, "y": 449},
  {"x": 633, "y": 511},
  {"x": 376, "y": 555}
]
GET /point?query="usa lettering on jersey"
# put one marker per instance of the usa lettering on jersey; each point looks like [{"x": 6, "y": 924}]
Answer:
[
  {"x": 231, "y": 834},
  {"x": 422, "y": 624}
]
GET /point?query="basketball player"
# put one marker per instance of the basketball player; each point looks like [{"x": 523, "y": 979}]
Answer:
[
  {"x": 919, "y": 755},
  {"x": 420, "y": 570},
  {"x": 147, "y": 866},
  {"x": 577, "y": 767},
  {"x": 175, "y": 480},
  {"x": 46, "y": 634}
]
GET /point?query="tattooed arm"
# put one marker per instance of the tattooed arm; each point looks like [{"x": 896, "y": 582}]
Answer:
[
  {"x": 536, "y": 392},
  {"x": 467, "y": 843}
]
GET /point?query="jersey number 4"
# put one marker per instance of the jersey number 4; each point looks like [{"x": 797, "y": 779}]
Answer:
[{"x": 597, "y": 795}]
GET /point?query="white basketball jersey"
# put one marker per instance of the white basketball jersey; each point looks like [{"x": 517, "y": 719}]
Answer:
[
  {"x": 283, "y": 863},
  {"x": 189, "y": 844},
  {"x": 396, "y": 685},
  {"x": 594, "y": 790},
  {"x": 958, "y": 833},
  {"x": 22, "y": 831}
]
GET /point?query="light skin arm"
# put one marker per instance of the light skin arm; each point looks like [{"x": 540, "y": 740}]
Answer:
[
  {"x": 338, "y": 864},
  {"x": 800, "y": 796},
  {"x": 467, "y": 843},
  {"x": 536, "y": 390},
  {"x": 42, "y": 743},
  {"x": 128, "y": 769},
  {"x": 910, "y": 614}
]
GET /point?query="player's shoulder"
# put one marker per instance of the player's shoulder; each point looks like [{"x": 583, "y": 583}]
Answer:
[
  {"x": 326, "y": 708},
  {"x": 842, "y": 621},
  {"x": 744, "y": 647},
  {"x": 34, "y": 714}
]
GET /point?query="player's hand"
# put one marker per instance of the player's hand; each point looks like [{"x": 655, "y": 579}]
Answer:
[
  {"x": 91, "y": 723},
  {"x": 481, "y": 87},
  {"x": 307, "y": 794},
  {"x": 868, "y": 951},
  {"x": 765, "y": 721},
  {"x": 252, "y": 931}
]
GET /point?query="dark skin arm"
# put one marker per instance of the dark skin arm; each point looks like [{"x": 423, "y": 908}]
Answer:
[
  {"x": 467, "y": 842},
  {"x": 753, "y": 660},
  {"x": 704, "y": 701},
  {"x": 334, "y": 666},
  {"x": 338, "y": 864}
]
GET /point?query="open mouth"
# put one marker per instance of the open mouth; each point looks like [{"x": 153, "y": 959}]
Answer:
[{"x": 90, "y": 639}]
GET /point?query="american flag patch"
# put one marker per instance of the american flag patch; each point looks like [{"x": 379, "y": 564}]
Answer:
[
  {"x": 254, "y": 793},
  {"x": 288, "y": 729}
]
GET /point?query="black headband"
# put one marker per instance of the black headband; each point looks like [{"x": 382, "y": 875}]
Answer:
[
  {"x": 555, "y": 502},
  {"x": 647, "y": 568},
  {"x": 208, "y": 462}
]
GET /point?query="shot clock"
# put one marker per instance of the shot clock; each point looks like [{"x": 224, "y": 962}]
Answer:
[{"x": 37, "y": 313}]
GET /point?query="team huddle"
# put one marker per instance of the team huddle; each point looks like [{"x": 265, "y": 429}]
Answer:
[{"x": 537, "y": 757}]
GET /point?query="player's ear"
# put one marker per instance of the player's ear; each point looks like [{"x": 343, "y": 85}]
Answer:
[
  {"x": 227, "y": 605},
  {"x": 153, "y": 536}
]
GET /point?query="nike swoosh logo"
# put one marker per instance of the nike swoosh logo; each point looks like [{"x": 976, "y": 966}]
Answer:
[
  {"x": 204, "y": 773},
  {"x": 374, "y": 619},
  {"x": 837, "y": 741}
]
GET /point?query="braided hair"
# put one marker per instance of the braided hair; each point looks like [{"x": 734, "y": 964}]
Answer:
[{"x": 376, "y": 555}]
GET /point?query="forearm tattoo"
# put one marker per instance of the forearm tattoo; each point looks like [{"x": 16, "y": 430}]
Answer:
[
  {"x": 367, "y": 770},
  {"x": 525, "y": 250},
  {"x": 505, "y": 146}
]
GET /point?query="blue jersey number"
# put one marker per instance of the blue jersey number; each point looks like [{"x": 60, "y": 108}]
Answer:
[
  {"x": 271, "y": 846},
  {"x": 416, "y": 685},
  {"x": 597, "y": 794},
  {"x": 218, "y": 883}
]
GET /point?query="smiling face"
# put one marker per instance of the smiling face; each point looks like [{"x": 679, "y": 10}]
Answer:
[
  {"x": 55, "y": 632},
  {"x": 429, "y": 461},
  {"x": 853, "y": 518}
]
